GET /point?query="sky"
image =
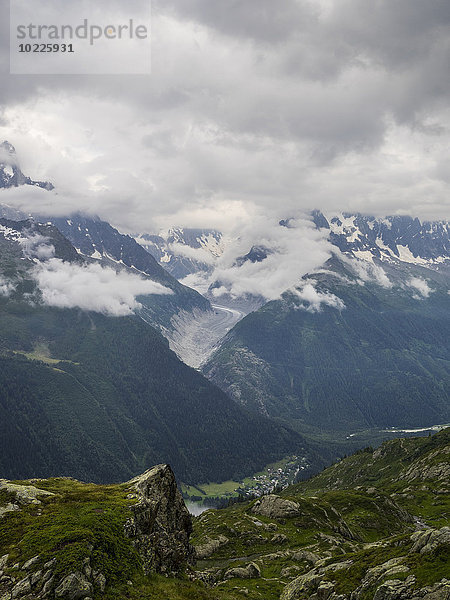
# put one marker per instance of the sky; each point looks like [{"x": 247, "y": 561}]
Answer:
[{"x": 254, "y": 109}]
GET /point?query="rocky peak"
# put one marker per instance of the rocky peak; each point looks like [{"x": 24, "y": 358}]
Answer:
[
  {"x": 254, "y": 255},
  {"x": 7, "y": 147},
  {"x": 160, "y": 524},
  {"x": 10, "y": 173}
]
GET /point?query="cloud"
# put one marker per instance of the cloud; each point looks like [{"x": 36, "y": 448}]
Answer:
[
  {"x": 372, "y": 272},
  {"x": 291, "y": 252},
  {"x": 31, "y": 199},
  {"x": 92, "y": 287},
  {"x": 313, "y": 300},
  {"x": 201, "y": 281},
  {"x": 367, "y": 271},
  {"x": 331, "y": 104},
  {"x": 6, "y": 287},
  {"x": 37, "y": 246},
  {"x": 197, "y": 254},
  {"x": 421, "y": 286},
  {"x": 34, "y": 245},
  {"x": 260, "y": 21},
  {"x": 6, "y": 158}
]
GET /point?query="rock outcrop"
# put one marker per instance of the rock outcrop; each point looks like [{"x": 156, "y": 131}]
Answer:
[
  {"x": 24, "y": 494},
  {"x": 160, "y": 524},
  {"x": 74, "y": 587},
  {"x": 158, "y": 527},
  {"x": 210, "y": 546},
  {"x": 251, "y": 571},
  {"x": 274, "y": 507},
  {"x": 379, "y": 583},
  {"x": 429, "y": 540},
  {"x": 435, "y": 465},
  {"x": 38, "y": 581}
]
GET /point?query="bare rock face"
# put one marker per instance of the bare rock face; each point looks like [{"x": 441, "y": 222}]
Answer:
[
  {"x": 275, "y": 507},
  {"x": 429, "y": 540},
  {"x": 74, "y": 587},
  {"x": 25, "y": 494},
  {"x": 210, "y": 547},
  {"x": 378, "y": 583},
  {"x": 251, "y": 571},
  {"x": 160, "y": 524},
  {"x": 435, "y": 465}
]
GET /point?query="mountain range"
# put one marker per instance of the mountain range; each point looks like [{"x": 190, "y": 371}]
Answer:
[
  {"x": 98, "y": 240},
  {"x": 360, "y": 344},
  {"x": 103, "y": 396},
  {"x": 353, "y": 346},
  {"x": 188, "y": 251},
  {"x": 90, "y": 386}
]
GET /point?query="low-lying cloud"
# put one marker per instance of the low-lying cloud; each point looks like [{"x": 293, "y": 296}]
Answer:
[
  {"x": 313, "y": 300},
  {"x": 197, "y": 254},
  {"x": 367, "y": 271},
  {"x": 6, "y": 287},
  {"x": 92, "y": 287},
  {"x": 291, "y": 253},
  {"x": 421, "y": 286},
  {"x": 30, "y": 199},
  {"x": 35, "y": 245}
]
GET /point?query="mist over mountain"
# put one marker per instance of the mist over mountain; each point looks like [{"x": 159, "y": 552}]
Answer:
[
  {"x": 329, "y": 323},
  {"x": 100, "y": 241},
  {"x": 265, "y": 258},
  {"x": 88, "y": 387},
  {"x": 359, "y": 344},
  {"x": 10, "y": 173}
]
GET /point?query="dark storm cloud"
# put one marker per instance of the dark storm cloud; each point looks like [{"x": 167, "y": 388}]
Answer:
[
  {"x": 263, "y": 20},
  {"x": 275, "y": 106},
  {"x": 396, "y": 32}
]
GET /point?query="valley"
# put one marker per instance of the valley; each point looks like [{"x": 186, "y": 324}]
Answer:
[
  {"x": 224, "y": 382},
  {"x": 225, "y": 300},
  {"x": 275, "y": 476}
]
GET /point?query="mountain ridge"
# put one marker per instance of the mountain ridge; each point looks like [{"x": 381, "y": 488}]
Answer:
[
  {"x": 363, "y": 342},
  {"x": 405, "y": 237}
]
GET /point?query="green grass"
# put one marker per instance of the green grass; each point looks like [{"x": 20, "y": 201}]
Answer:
[
  {"x": 378, "y": 517},
  {"x": 39, "y": 357},
  {"x": 427, "y": 569},
  {"x": 41, "y": 353},
  {"x": 81, "y": 520},
  {"x": 6, "y": 497},
  {"x": 430, "y": 568},
  {"x": 86, "y": 520},
  {"x": 157, "y": 587},
  {"x": 349, "y": 579},
  {"x": 226, "y": 488}
]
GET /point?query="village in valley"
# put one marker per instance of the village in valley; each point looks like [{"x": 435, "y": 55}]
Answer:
[{"x": 274, "y": 477}]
